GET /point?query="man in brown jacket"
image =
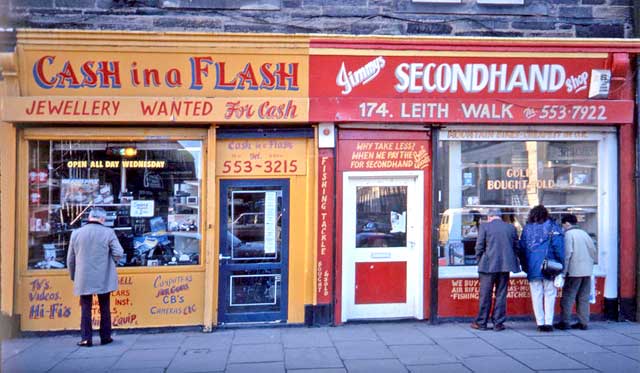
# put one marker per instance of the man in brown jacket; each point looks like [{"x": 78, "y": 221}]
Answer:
[
  {"x": 580, "y": 256},
  {"x": 93, "y": 253}
]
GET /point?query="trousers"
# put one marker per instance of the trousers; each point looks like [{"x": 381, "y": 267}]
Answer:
[
  {"x": 576, "y": 289},
  {"x": 488, "y": 282},
  {"x": 543, "y": 298},
  {"x": 86, "y": 329}
]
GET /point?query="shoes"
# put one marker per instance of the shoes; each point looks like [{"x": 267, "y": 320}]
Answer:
[
  {"x": 561, "y": 325},
  {"x": 85, "y": 343},
  {"x": 106, "y": 341},
  {"x": 476, "y": 326},
  {"x": 580, "y": 326},
  {"x": 545, "y": 328},
  {"x": 499, "y": 327}
]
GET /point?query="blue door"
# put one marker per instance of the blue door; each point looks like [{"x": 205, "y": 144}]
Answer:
[{"x": 254, "y": 247}]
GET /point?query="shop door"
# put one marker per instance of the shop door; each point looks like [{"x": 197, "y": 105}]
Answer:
[
  {"x": 382, "y": 245},
  {"x": 254, "y": 245}
]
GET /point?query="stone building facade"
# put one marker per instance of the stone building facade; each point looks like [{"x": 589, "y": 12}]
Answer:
[{"x": 493, "y": 18}]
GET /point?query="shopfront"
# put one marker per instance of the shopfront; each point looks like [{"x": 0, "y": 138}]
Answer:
[
  {"x": 508, "y": 126},
  {"x": 296, "y": 179},
  {"x": 198, "y": 148}
]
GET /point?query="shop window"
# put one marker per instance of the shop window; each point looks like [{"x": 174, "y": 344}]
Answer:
[
  {"x": 151, "y": 191},
  {"x": 514, "y": 176}
]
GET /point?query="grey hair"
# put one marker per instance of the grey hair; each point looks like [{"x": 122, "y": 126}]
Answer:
[
  {"x": 97, "y": 213},
  {"x": 494, "y": 212}
]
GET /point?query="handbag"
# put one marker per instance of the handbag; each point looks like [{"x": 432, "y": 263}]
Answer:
[{"x": 551, "y": 267}]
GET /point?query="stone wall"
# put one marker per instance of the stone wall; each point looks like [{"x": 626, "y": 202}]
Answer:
[{"x": 536, "y": 18}]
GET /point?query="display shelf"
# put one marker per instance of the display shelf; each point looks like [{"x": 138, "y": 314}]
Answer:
[
  {"x": 185, "y": 205},
  {"x": 195, "y": 235},
  {"x": 571, "y": 188}
]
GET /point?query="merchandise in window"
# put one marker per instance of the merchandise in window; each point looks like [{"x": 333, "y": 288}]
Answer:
[
  {"x": 513, "y": 176},
  {"x": 150, "y": 190}
]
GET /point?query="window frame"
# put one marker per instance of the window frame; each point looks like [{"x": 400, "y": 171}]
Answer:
[
  {"x": 607, "y": 192},
  {"x": 114, "y": 134}
]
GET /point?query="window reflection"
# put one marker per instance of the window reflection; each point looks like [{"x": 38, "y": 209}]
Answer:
[
  {"x": 513, "y": 176},
  {"x": 381, "y": 216}
]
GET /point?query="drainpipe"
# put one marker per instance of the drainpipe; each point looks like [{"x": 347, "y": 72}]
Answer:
[{"x": 636, "y": 28}]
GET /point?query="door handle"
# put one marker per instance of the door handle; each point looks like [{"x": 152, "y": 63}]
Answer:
[{"x": 222, "y": 257}]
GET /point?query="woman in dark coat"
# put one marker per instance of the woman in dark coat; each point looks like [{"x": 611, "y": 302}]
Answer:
[{"x": 541, "y": 236}]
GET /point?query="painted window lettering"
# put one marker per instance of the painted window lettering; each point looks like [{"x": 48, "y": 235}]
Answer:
[
  {"x": 351, "y": 79},
  {"x": 476, "y": 77}
]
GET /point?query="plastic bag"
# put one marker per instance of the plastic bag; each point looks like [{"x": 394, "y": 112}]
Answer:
[{"x": 558, "y": 281}]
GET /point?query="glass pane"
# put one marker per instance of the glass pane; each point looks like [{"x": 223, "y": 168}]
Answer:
[
  {"x": 150, "y": 190},
  {"x": 381, "y": 216},
  {"x": 513, "y": 176},
  {"x": 255, "y": 291},
  {"x": 255, "y": 223}
]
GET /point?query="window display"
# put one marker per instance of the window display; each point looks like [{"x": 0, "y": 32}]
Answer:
[
  {"x": 513, "y": 176},
  {"x": 150, "y": 190}
]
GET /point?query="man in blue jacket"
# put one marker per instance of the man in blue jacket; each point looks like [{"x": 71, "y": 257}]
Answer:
[{"x": 496, "y": 250}]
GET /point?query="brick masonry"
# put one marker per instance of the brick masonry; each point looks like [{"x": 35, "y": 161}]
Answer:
[{"x": 536, "y": 18}]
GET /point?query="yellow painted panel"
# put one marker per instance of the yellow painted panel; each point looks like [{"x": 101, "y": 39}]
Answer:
[
  {"x": 128, "y": 110},
  {"x": 113, "y": 72},
  {"x": 261, "y": 157},
  {"x": 7, "y": 214},
  {"x": 142, "y": 300}
]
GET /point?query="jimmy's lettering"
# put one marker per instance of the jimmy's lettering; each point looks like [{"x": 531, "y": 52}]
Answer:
[
  {"x": 74, "y": 107},
  {"x": 106, "y": 74}
]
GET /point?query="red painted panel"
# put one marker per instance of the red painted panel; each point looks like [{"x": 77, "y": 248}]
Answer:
[
  {"x": 324, "y": 270},
  {"x": 459, "y": 298},
  {"x": 380, "y": 282},
  {"x": 628, "y": 239},
  {"x": 416, "y": 110}
]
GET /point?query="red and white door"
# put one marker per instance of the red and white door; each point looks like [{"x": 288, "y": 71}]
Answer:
[{"x": 382, "y": 245}]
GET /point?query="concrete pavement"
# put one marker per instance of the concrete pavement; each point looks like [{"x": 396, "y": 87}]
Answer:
[{"x": 353, "y": 348}]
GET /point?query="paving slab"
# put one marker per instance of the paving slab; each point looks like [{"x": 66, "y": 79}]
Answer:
[
  {"x": 510, "y": 340},
  {"x": 147, "y": 358},
  {"x": 441, "y": 368},
  {"x": 332, "y": 370},
  {"x": 312, "y": 358},
  {"x": 199, "y": 360},
  {"x": 212, "y": 341},
  {"x": 632, "y": 352},
  {"x": 12, "y": 347},
  {"x": 436, "y": 332},
  {"x": 375, "y": 365},
  {"x": 277, "y": 367},
  {"x": 402, "y": 335},
  {"x": 140, "y": 370},
  {"x": 33, "y": 361},
  {"x": 569, "y": 343},
  {"x": 352, "y": 333},
  {"x": 363, "y": 350},
  {"x": 255, "y": 336},
  {"x": 158, "y": 341},
  {"x": 548, "y": 359},
  {"x": 469, "y": 348},
  {"x": 491, "y": 364},
  {"x": 422, "y": 354},
  {"x": 95, "y": 364},
  {"x": 306, "y": 337},
  {"x": 608, "y": 362},
  {"x": 604, "y": 337},
  {"x": 256, "y": 353}
]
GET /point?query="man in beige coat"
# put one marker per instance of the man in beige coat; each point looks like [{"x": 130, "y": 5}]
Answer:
[
  {"x": 93, "y": 253},
  {"x": 580, "y": 256}
]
